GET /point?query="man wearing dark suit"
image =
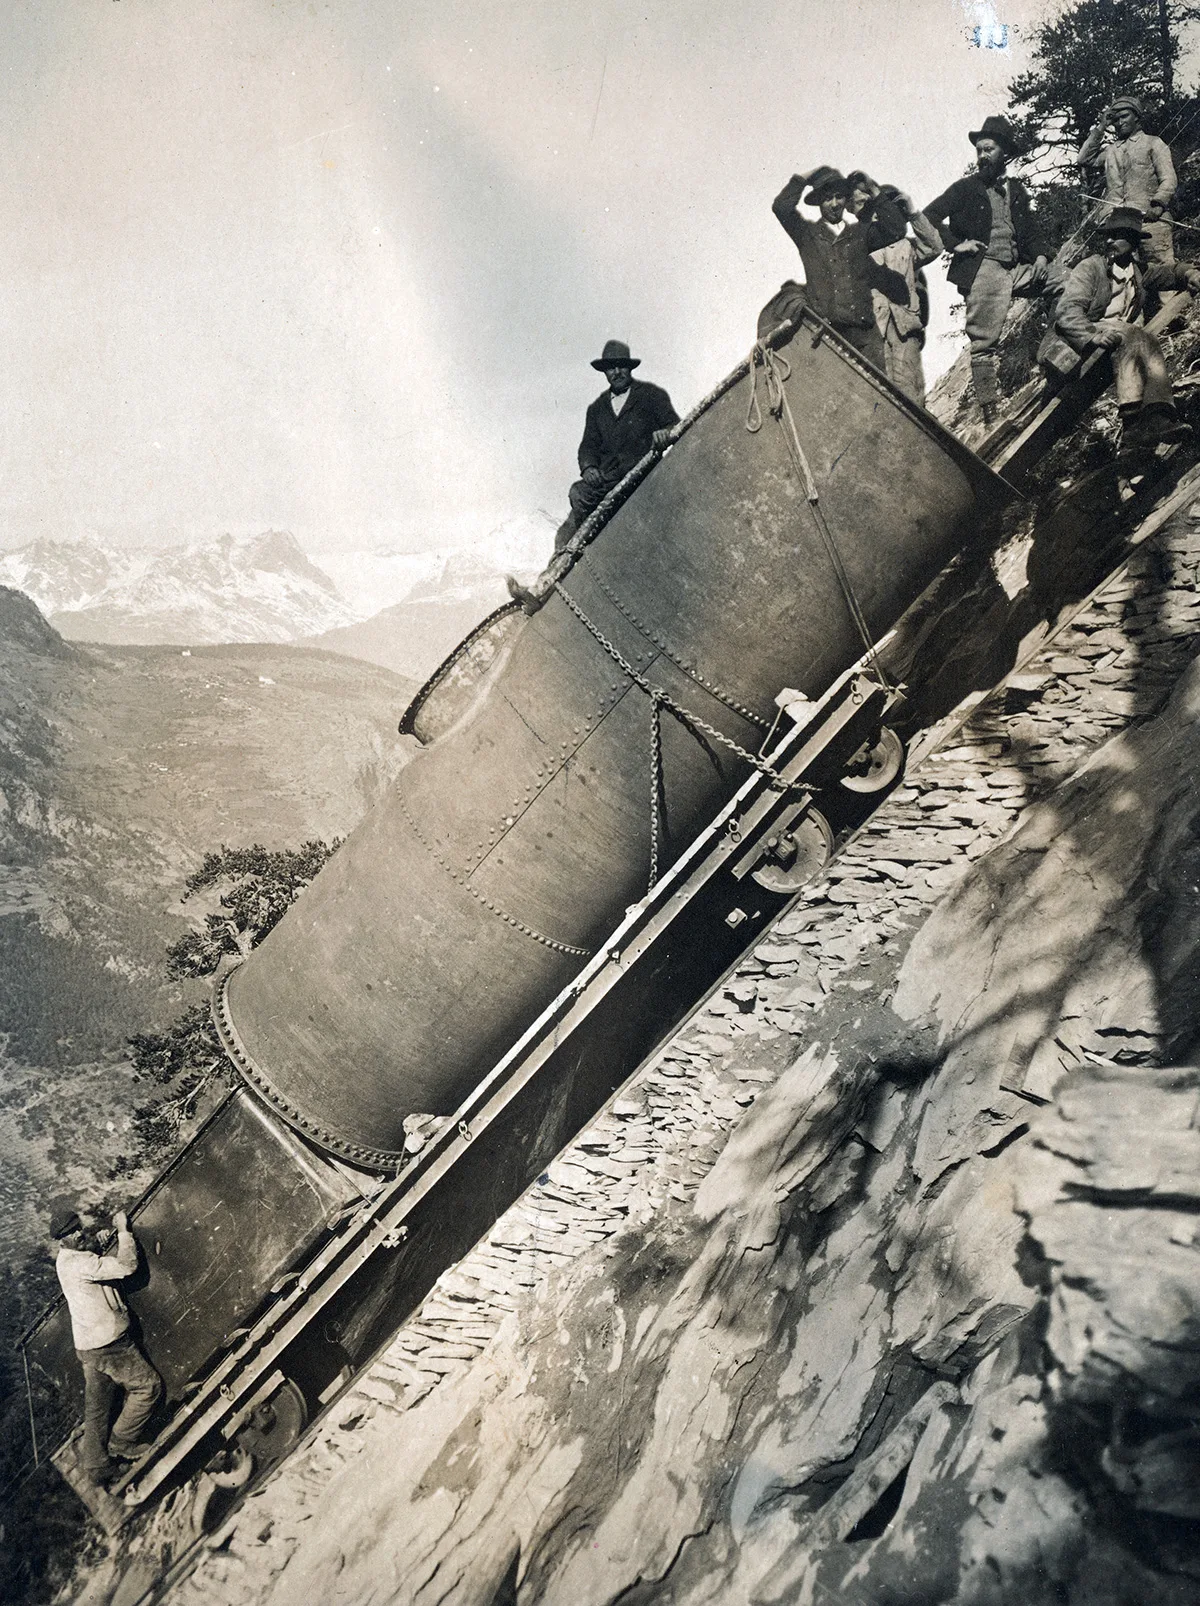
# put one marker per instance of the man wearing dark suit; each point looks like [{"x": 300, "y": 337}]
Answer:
[
  {"x": 622, "y": 425},
  {"x": 987, "y": 225},
  {"x": 836, "y": 252}
]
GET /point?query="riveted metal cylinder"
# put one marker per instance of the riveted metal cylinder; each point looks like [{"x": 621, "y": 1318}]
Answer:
[{"x": 506, "y": 850}]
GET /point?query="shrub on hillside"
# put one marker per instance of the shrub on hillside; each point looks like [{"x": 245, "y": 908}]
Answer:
[{"x": 259, "y": 885}]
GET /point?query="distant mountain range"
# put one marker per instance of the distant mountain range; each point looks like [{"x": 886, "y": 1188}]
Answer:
[
  {"x": 402, "y": 610},
  {"x": 230, "y": 589},
  {"x": 445, "y": 595},
  {"x": 120, "y": 767}
]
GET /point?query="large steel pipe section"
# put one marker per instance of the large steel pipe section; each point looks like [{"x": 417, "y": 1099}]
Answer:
[{"x": 508, "y": 848}]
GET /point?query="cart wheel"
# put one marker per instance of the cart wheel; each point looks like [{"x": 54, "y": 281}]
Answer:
[
  {"x": 275, "y": 1425},
  {"x": 875, "y": 766},
  {"x": 229, "y": 1470},
  {"x": 796, "y": 855}
]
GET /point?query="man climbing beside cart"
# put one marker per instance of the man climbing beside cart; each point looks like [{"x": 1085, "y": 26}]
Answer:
[{"x": 107, "y": 1350}]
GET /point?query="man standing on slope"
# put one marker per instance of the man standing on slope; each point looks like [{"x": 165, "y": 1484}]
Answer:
[
  {"x": 896, "y": 283},
  {"x": 987, "y": 225},
  {"x": 106, "y": 1348},
  {"x": 836, "y": 251},
  {"x": 1138, "y": 172}
]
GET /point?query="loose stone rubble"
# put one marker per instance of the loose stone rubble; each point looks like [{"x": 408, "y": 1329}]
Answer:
[{"x": 644, "y": 1159}]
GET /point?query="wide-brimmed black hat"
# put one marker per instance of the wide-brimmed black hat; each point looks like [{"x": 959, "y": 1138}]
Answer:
[
  {"x": 615, "y": 355},
  {"x": 821, "y": 180},
  {"x": 1126, "y": 220},
  {"x": 999, "y": 129},
  {"x": 64, "y": 1218}
]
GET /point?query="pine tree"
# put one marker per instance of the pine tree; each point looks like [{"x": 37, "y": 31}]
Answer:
[
  {"x": 259, "y": 886},
  {"x": 1091, "y": 52}
]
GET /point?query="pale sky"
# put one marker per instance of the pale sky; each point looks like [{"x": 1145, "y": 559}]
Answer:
[{"x": 338, "y": 268}]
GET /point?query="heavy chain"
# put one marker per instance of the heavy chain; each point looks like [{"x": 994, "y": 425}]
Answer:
[
  {"x": 655, "y": 785},
  {"x": 684, "y": 715},
  {"x": 692, "y": 674}
]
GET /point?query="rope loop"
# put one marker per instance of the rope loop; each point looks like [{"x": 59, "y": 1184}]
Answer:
[{"x": 777, "y": 371}]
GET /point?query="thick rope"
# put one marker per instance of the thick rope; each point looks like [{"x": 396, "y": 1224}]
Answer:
[
  {"x": 684, "y": 715},
  {"x": 776, "y": 371},
  {"x": 29, "y": 1399},
  {"x": 693, "y": 674},
  {"x": 462, "y": 881}
]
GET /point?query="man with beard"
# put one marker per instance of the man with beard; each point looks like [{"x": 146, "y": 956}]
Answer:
[
  {"x": 1101, "y": 306},
  {"x": 987, "y": 224},
  {"x": 836, "y": 252},
  {"x": 896, "y": 284}
]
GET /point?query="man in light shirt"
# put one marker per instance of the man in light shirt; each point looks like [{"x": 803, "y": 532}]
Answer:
[
  {"x": 896, "y": 285},
  {"x": 1101, "y": 307},
  {"x": 106, "y": 1348},
  {"x": 1138, "y": 172}
]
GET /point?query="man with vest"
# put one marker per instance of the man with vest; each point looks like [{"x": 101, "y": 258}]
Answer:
[
  {"x": 987, "y": 225},
  {"x": 621, "y": 426},
  {"x": 1101, "y": 306},
  {"x": 836, "y": 251},
  {"x": 106, "y": 1348},
  {"x": 1138, "y": 172},
  {"x": 896, "y": 284}
]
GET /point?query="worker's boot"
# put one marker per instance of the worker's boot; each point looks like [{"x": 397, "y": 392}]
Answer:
[
  {"x": 985, "y": 379},
  {"x": 1160, "y": 422},
  {"x": 528, "y": 598},
  {"x": 1155, "y": 424}
]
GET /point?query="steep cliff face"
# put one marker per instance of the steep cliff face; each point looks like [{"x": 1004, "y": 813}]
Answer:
[{"x": 928, "y": 1331}]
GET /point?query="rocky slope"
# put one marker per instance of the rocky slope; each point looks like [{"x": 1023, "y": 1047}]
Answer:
[{"x": 891, "y": 1345}]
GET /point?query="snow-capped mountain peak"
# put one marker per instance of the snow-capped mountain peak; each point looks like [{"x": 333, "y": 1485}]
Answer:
[{"x": 232, "y": 588}]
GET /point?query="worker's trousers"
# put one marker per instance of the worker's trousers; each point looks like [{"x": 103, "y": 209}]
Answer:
[
  {"x": 118, "y": 1365},
  {"x": 988, "y": 300},
  {"x": 584, "y": 499},
  {"x": 867, "y": 339},
  {"x": 902, "y": 355},
  {"x": 1139, "y": 368}
]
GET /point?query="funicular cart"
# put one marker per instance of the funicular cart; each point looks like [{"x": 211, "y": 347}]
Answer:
[{"x": 615, "y": 799}]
